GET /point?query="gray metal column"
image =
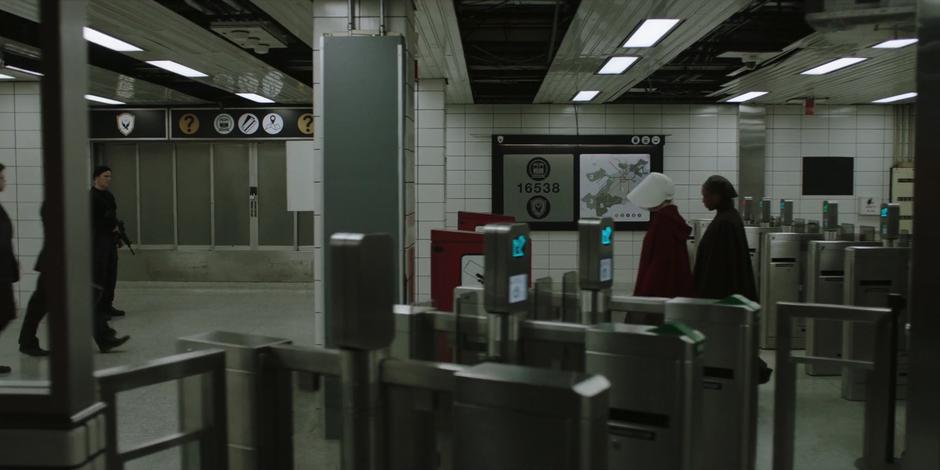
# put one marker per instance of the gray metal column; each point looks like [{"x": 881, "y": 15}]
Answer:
[
  {"x": 923, "y": 423},
  {"x": 64, "y": 140},
  {"x": 752, "y": 154}
]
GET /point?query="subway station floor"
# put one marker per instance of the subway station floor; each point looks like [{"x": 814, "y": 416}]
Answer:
[{"x": 829, "y": 429}]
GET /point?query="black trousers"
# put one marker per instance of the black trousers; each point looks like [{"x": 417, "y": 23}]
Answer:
[
  {"x": 7, "y": 304},
  {"x": 105, "y": 271},
  {"x": 38, "y": 306}
]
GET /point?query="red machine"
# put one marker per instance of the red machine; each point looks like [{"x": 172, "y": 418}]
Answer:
[{"x": 457, "y": 256}]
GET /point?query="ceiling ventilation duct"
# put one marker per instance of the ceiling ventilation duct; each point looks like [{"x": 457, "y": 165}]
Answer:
[{"x": 249, "y": 35}]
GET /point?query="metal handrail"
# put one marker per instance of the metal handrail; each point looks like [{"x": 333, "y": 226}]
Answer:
[
  {"x": 880, "y": 396},
  {"x": 212, "y": 435}
]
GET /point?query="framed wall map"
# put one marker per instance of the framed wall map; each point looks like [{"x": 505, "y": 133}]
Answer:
[{"x": 551, "y": 181}]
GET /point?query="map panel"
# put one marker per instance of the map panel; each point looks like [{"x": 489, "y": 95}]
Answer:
[{"x": 606, "y": 179}]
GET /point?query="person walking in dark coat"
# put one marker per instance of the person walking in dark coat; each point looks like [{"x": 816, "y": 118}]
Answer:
[
  {"x": 105, "y": 241},
  {"x": 9, "y": 268},
  {"x": 723, "y": 262},
  {"x": 664, "y": 260}
]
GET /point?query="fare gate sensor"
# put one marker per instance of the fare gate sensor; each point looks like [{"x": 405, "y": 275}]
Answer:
[
  {"x": 765, "y": 211},
  {"x": 362, "y": 263},
  {"x": 596, "y": 253},
  {"x": 890, "y": 221},
  {"x": 507, "y": 249},
  {"x": 830, "y": 215},
  {"x": 786, "y": 212}
]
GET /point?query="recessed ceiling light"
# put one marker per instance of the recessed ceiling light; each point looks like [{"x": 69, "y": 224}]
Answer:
[
  {"x": 895, "y": 43},
  {"x": 747, "y": 96},
  {"x": 833, "y": 65},
  {"x": 26, "y": 71},
  {"x": 99, "y": 99},
  {"x": 6, "y": 77},
  {"x": 650, "y": 32},
  {"x": 176, "y": 68},
  {"x": 617, "y": 65},
  {"x": 585, "y": 95},
  {"x": 255, "y": 97},
  {"x": 892, "y": 99},
  {"x": 110, "y": 42}
]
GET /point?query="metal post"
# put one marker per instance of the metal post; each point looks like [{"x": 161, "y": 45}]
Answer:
[
  {"x": 784, "y": 395},
  {"x": 881, "y": 391},
  {"x": 363, "y": 442},
  {"x": 64, "y": 140}
]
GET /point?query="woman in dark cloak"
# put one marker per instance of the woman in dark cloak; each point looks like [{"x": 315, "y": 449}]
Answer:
[{"x": 723, "y": 262}]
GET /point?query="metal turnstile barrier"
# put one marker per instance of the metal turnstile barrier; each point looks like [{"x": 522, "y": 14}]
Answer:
[
  {"x": 783, "y": 260},
  {"x": 878, "y": 440},
  {"x": 203, "y": 423},
  {"x": 731, "y": 375},
  {"x": 639, "y": 310},
  {"x": 656, "y": 395}
]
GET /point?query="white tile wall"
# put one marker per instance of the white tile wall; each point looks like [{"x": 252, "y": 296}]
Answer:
[
  {"x": 862, "y": 132},
  {"x": 21, "y": 153},
  {"x": 700, "y": 141}
]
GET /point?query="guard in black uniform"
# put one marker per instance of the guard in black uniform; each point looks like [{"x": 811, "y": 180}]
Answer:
[
  {"x": 9, "y": 268},
  {"x": 105, "y": 242}
]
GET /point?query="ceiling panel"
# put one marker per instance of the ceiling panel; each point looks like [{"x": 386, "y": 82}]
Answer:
[
  {"x": 887, "y": 72},
  {"x": 439, "y": 48},
  {"x": 601, "y": 26},
  {"x": 134, "y": 91},
  {"x": 165, "y": 35},
  {"x": 295, "y": 15}
]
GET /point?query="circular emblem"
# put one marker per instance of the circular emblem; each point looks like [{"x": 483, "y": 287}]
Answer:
[
  {"x": 657, "y": 139},
  {"x": 646, "y": 140},
  {"x": 538, "y": 207},
  {"x": 223, "y": 123},
  {"x": 635, "y": 140},
  {"x": 499, "y": 139},
  {"x": 305, "y": 124},
  {"x": 538, "y": 168},
  {"x": 248, "y": 123},
  {"x": 272, "y": 123},
  {"x": 189, "y": 124}
]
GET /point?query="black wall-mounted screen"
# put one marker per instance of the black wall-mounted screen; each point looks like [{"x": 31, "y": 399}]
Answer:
[{"x": 828, "y": 176}]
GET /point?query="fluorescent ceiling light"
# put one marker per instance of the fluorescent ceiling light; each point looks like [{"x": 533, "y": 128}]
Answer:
[
  {"x": 895, "y": 43},
  {"x": 5, "y": 77},
  {"x": 255, "y": 97},
  {"x": 110, "y": 42},
  {"x": 27, "y": 71},
  {"x": 747, "y": 96},
  {"x": 833, "y": 65},
  {"x": 650, "y": 32},
  {"x": 99, "y": 99},
  {"x": 892, "y": 99},
  {"x": 617, "y": 65},
  {"x": 585, "y": 95},
  {"x": 179, "y": 69}
]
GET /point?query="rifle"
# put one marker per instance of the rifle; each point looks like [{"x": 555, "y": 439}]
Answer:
[{"x": 122, "y": 235}]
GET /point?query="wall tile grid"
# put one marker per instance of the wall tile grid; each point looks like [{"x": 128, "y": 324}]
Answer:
[
  {"x": 430, "y": 188},
  {"x": 701, "y": 140},
  {"x": 21, "y": 153},
  {"x": 864, "y": 132}
]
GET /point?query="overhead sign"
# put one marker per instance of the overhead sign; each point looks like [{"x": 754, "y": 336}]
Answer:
[
  {"x": 127, "y": 124},
  {"x": 551, "y": 182},
  {"x": 248, "y": 123}
]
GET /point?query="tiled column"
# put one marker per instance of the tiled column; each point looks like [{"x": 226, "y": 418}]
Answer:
[{"x": 431, "y": 184}]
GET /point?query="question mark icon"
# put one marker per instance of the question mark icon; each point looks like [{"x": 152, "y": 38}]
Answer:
[
  {"x": 305, "y": 123},
  {"x": 189, "y": 124}
]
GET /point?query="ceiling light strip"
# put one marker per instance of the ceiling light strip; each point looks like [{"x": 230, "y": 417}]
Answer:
[
  {"x": 747, "y": 96},
  {"x": 99, "y": 99},
  {"x": 651, "y": 32},
  {"x": 892, "y": 99},
  {"x": 834, "y": 65}
]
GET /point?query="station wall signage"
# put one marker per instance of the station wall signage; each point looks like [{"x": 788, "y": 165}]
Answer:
[
  {"x": 127, "y": 124},
  {"x": 550, "y": 182},
  {"x": 201, "y": 123},
  {"x": 247, "y": 123}
]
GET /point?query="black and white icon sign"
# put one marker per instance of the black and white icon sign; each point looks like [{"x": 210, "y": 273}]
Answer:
[
  {"x": 635, "y": 140},
  {"x": 248, "y": 123},
  {"x": 657, "y": 139},
  {"x": 272, "y": 123},
  {"x": 223, "y": 123},
  {"x": 646, "y": 140},
  {"x": 538, "y": 168},
  {"x": 538, "y": 207},
  {"x": 125, "y": 123}
]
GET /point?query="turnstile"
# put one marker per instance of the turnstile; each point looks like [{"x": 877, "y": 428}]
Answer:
[
  {"x": 825, "y": 281},
  {"x": 731, "y": 376},
  {"x": 755, "y": 238},
  {"x": 514, "y": 417},
  {"x": 783, "y": 260},
  {"x": 871, "y": 275},
  {"x": 656, "y": 394}
]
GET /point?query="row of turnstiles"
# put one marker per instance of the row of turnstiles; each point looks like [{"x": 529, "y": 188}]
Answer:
[
  {"x": 519, "y": 376},
  {"x": 828, "y": 263}
]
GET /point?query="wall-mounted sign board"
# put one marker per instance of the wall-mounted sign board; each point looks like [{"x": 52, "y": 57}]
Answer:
[
  {"x": 248, "y": 123},
  {"x": 202, "y": 124},
  {"x": 127, "y": 124},
  {"x": 552, "y": 181}
]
